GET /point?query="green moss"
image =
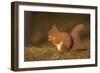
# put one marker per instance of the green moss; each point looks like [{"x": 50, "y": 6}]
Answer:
[{"x": 50, "y": 52}]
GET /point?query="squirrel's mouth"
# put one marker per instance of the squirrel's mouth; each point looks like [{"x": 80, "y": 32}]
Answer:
[{"x": 49, "y": 39}]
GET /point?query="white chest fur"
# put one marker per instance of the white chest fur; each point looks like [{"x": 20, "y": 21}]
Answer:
[{"x": 59, "y": 46}]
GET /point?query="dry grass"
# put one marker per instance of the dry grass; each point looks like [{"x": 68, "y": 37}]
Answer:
[{"x": 49, "y": 52}]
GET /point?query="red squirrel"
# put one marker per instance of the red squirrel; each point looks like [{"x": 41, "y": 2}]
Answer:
[{"x": 66, "y": 41}]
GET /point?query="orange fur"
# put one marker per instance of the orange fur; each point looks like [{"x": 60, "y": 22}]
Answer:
[
  {"x": 65, "y": 41},
  {"x": 55, "y": 36}
]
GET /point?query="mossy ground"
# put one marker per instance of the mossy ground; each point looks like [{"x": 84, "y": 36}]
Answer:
[{"x": 48, "y": 51}]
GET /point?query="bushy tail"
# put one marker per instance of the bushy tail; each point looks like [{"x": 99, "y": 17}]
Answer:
[{"x": 75, "y": 35}]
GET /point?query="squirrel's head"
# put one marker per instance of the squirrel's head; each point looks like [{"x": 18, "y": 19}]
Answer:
[{"x": 52, "y": 33}]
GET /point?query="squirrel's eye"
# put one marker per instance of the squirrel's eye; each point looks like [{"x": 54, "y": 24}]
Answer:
[{"x": 52, "y": 33}]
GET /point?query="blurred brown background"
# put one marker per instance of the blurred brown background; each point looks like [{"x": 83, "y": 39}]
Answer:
[{"x": 38, "y": 24}]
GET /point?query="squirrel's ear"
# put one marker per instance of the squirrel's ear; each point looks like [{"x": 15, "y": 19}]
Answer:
[{"x": 54, "y": 28}]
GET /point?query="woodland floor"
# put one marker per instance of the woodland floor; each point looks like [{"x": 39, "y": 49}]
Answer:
[{"x": 48, "y": 51}]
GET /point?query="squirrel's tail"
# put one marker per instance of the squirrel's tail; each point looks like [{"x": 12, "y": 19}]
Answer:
[{"x": 75, "y": 35}]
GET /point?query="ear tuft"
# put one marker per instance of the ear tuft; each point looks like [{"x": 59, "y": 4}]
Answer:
[{"x": 54, "y": 28}]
